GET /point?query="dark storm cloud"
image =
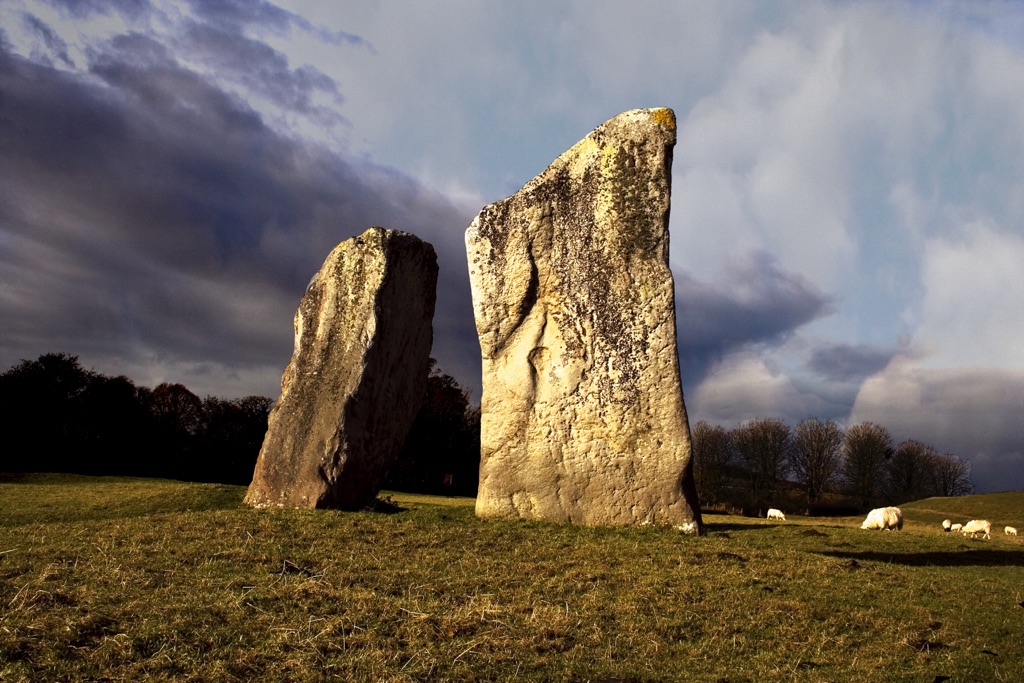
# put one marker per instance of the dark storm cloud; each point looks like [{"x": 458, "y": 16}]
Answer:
[
  {"x": 138, "y": 155},
  {"x": 239, "y": 13},
  {"x": 84, "y": 9},
  {"x": 754, "y": 302},
  {"x": 235, "y": 15},
  {"x": 52, "y": 45},
  {"x": 974, "y": 413},
  {"x": 145, "y": 212},
  {"x": 849, "y": 363},
  {"x": 264, "y": 71}
]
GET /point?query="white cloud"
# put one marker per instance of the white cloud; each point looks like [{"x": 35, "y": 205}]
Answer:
[
  {"x": 808, "y": 133},
  {"x": 973, "y": 309},
  {"x": 746, "y": 385}
]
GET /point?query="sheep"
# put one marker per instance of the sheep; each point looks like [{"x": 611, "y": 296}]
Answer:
[
  {"x": 884, "y": 518},
  {"x": 776, "y": 514},
  {"x": 978, "y": 526},
  {"x": 946, "y": 525},
  {"x": 956, "y": 527},
  {"x": 1010, "y": 531}
]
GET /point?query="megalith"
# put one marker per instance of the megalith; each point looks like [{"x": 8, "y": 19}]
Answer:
[
  {"x": 582, "y": 413},
  {"x": 363, "y": 332}
]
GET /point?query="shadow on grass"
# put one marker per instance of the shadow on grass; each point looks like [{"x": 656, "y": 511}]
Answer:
[
  {"x": 719, "y": 526},
  {"x": 385, "y": 506},
  {"x": 982, "y": 557}
]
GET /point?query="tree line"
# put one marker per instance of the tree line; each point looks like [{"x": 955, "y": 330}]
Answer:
[
  {"x": 817, "y": 466},
  {"x": 56, "y": 416},
  {"x": 69, "y": 419}
]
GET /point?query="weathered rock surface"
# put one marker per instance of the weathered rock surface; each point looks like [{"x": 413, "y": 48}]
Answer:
[
  {"x": 363, "y": 332},
  {"x": 583, "y": 418}
]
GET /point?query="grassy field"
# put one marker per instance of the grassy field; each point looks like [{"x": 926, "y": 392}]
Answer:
[{"x": 127, "y": 580}]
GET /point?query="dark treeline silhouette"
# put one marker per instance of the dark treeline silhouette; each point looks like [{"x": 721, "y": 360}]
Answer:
[
  {"x": 817, "y": 468},
  {"x": 57, "y": 416},
  {"x": 442, "y": 452}
]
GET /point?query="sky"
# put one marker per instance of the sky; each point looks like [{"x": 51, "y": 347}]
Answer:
[{"x": 847, "y": 224}]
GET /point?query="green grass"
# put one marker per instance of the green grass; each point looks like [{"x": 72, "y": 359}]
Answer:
[
  {"x": 122, "y": 580},
  {"x": 1002, "y": 509},
  {"x": 53, "y": 498}
]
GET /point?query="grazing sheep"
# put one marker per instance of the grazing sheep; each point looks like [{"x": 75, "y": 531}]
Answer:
[
  {"x": 978, "y": 526},
  {"x": 776, "y": 514},
  {"x": 956, "y": 527},
  {"x": 946, "y": 525},
  {"x": 1010, "y": 531},
  {"x": 884, "y": 518}
]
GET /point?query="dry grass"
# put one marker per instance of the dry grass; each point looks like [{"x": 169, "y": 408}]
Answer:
[{"x": 215, "y": 591}]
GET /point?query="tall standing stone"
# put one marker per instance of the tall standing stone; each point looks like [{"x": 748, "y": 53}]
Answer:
[
  {"x": 363, "y": 332},
  {"x": 582, "y": 413}
]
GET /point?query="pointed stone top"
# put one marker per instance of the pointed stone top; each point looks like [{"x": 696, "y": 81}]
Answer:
[{"x": 636, "y": 127}]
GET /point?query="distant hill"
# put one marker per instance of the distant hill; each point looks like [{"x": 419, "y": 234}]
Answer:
[{"x": 999, "y": 508}]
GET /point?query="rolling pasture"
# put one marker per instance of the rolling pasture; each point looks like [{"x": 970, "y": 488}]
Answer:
[{"x": 122, "y": 579}]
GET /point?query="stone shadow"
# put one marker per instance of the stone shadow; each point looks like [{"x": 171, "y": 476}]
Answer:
[
  {"x": 712, "y": 527},
  {"x": 981, "y": 557}
]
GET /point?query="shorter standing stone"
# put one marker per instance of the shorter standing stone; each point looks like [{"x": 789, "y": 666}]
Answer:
[{"x": 363, "y": 333}]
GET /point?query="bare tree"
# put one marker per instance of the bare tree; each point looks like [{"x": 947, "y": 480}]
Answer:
[
  {"x": 762, "y": 447},
  {"x": 816, "y": 456},
  {"x": 712, "y": 454},
  {"x": 951, "y": 475},
  {"x": 909, "y": 472},
  {"x": 177, "y": 408},
  {"x": 865, "y": 450}
]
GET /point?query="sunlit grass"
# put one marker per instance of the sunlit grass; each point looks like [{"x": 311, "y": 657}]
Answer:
[
  {"x": 93, "y": 586},
  {"x": 1002, "y": 509}
]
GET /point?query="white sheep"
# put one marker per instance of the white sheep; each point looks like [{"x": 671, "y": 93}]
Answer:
[
  {"x": 946, "y": 525},
  {"x": 884, "y": 518},
  {"x": 1010, "y": 531},
  {"x": 776, "y": 514},
  {"x": 956, "y": 527},
  {"x": 978, "y": 526}
]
